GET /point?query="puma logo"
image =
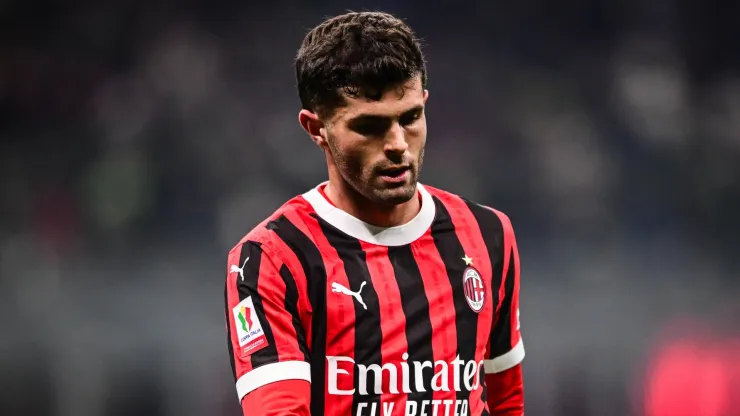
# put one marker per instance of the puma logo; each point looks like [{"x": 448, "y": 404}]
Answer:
[
  {"x": 240, "y": 270},
  {"x": 338, "y": 288}
]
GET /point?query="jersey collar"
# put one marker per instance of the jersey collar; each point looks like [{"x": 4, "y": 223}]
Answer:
[{"x": 384, "y": 236}]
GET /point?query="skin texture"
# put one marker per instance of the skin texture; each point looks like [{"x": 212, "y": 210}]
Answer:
[{"x": 362, "y": 141}]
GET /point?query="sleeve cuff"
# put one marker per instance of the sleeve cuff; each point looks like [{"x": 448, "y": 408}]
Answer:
[
  {"x": 271, "y": 373},
  {"x": 506, "y": 361}
]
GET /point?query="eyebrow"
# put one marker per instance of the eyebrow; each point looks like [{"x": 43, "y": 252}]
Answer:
[{"x": 379, "y": 117}]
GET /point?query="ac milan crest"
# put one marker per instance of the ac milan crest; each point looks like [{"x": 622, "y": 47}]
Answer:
[{"x": 475, "y": 290}]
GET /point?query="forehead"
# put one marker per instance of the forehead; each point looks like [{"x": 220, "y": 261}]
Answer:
[{"x": 393, "y": 103}]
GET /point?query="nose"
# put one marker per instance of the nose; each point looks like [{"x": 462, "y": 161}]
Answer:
[{"x": 395, "y": 143}]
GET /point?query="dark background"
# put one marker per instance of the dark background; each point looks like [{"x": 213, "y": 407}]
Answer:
[{"x": 142, "y": 139}]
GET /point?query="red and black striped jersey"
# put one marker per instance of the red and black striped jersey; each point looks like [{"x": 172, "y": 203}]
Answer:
[{"x": 404, "y": 320}]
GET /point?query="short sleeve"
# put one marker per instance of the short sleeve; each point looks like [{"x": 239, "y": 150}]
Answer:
[
  {"x": 266, "y": 340},
  {"x": 506, "y": 349}
]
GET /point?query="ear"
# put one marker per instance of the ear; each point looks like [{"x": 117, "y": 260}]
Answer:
[
  {"x": 426, "y": 96},
  {"x": 313, "y": 125}
]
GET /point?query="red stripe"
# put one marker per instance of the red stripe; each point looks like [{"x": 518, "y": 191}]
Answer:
[
  {"x": 287, "y": 255},
  {"x": 242, "y": 365},
  {"x": 510, "y": 244},
  {"x": 271, "y": 289},
  {"x": 508, "y": 395},
  {"x": 285, "y": 397},
  {"x": 392, "y": 319},
  {"x": 507, "y": 247},
  {"x": 471, "y": 239},
  {"x": 515, "y": 334},
  {"x": 340, "y": 318},
  {"x": 441, "y": 305}
]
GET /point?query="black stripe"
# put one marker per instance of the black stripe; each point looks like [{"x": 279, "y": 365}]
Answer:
[
  {"x": 493, "y": 235},
  {"x": 501, "y": 334},
  {"x": 415, "y": 305},
  {"x": 313, "y": 266},
  {"x": 229, "y": 319},
  {"x": 248, "y": 287},
  {"x": 484, "y": 394},
  {"x": 452, "y": 253},
  {"x": 368, "y": 333},
  {"x": 291, "y": 305}
]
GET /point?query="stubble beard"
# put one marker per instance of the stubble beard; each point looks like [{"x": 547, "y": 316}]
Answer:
[{"x": 364, "y": 181}]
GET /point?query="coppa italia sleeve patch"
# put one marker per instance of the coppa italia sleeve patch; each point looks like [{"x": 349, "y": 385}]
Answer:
[{"x": 248, "y": 327}]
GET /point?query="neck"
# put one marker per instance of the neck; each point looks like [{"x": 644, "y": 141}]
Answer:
[{"x": 352, "y": 202}]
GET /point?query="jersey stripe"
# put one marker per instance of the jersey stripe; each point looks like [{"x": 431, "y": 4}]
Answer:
[
  {"x": 241, "y": 289},
  {"x": 439, "y": 294},
  {"x": 505, "y": 248},
  {"x": 254, "y": 282},
  {"x": 466, "y": 320},
  {"x": 340, "y": 335},
  {"x": 392, "y": 319},
  {"x": 484, "y": 394},
  {"x": 418, "y": 323},
  {"x": 291, "y": 305},
  {"x": 493, "y": 234},
  {"x": 501, "y": 336},
  {"x": 311, "y": 263},
  {"x": 231, "y": 294},
  {"x": 474, "y": 242},
  {"x": 229, "y": 340},
  {"x": 508, "y": 276},
  {"x": 481, "y": 237},
  {"x": 295, "y": 267},
  {"x": 512, "y": 288},
  {"x": 367, "y": 327}
]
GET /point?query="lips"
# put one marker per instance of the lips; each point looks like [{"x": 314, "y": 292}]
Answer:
[{"x": 394, "y": 172}]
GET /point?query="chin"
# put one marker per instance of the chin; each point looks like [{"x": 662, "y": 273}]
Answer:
[{"x": 394, "y": 196}]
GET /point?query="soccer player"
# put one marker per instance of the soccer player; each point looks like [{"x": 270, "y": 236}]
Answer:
[{"x": 371, "y": 294}]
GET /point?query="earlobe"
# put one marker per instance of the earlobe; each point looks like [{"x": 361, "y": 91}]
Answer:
[{"x": 313, "y": 125}]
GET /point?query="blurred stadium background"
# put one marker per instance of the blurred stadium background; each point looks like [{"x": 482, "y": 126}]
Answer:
[{"x": 142, "y": 139}]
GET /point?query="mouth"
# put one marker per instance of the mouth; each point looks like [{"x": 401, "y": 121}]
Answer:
[
  {"x": 394, "y": 172},
  {"x": 395, "y": 175}
]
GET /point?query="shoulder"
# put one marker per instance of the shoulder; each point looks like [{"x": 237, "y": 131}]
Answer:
[
  {"x": 486, "y": 216},
  {"x": 263, "y": 235}
]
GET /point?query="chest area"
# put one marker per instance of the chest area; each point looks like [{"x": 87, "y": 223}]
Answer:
[{"x": 430, "y": 294}]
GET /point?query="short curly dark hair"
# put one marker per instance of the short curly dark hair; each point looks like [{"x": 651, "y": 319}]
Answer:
[{"x": 356, "y": 54}]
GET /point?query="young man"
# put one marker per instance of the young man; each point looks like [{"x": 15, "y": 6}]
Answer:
[{"x": 372, "y": 295}]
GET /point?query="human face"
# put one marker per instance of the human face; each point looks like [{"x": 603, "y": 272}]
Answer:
[{"x": 378, "y": 146}]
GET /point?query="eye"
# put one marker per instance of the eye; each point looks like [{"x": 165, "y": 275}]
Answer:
[
  {"x": 371, "y": 126},
  {"x": 410, "y": 117},
  {"x": 369, "y": 129}
]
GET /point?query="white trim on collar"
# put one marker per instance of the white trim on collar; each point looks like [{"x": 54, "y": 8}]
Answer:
[{"x": 384, "y": 236}]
